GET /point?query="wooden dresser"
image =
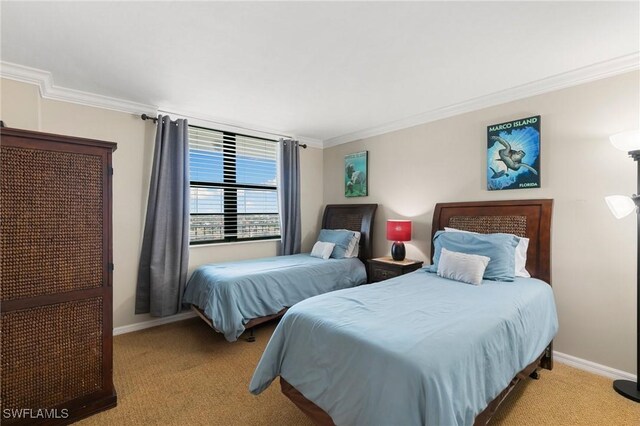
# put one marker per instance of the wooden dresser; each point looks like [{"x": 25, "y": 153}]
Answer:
[{"x": 56, "y": 276}]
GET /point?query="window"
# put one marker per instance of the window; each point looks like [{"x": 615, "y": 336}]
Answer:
[{"x": 234, "y": 196}]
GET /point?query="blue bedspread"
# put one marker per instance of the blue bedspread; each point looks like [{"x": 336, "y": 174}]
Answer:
[
  {"x": 414, "y": 350},
  {"x": 233, "y": 293}
]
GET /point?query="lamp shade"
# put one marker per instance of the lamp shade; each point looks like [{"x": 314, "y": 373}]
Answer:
[
  {"x": 626, "y": 141},
  {"x": 398, "y": 230},
  {"x": 620, "y": 205}
]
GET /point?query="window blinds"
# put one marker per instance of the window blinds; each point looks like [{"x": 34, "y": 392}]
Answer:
[{"x": 233, "y": 186}]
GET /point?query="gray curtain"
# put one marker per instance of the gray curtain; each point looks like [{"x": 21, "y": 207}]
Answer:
[
  {"x": 289, "y": 156},
  {"x": 165, "y": 246}
]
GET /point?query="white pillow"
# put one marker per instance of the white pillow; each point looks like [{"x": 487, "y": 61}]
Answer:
[
  {"x": 467, "y": 268},
  {"x": 354, "y": 245},
  {"x": 521, "y": 253},
  {"x": 356, "y": 250},
  {"x": 322, "y": 250},
  {"x": 521, "y": 258}
]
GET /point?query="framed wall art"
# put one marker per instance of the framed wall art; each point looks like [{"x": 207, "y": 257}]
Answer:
[
  {"x": 513, "y": 154},
  {"x": 356, "y": 171}
]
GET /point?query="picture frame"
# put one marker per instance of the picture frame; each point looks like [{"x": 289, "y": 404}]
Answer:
[
  {"x": 356, "y": 174},
  {"x": 513, "y": 154}
]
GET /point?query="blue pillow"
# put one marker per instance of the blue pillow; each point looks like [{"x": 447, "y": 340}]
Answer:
[
  {"x": 340, "y": 238},
  {"x": 499, "y": 247}
]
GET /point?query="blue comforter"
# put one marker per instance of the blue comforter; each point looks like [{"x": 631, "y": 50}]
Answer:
[
  {"x": 414, "y": 350},
  {"x": 232, "y": 294}
]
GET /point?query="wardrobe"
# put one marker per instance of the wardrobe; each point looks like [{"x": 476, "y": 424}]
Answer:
[{"x": 56, "y": 277}]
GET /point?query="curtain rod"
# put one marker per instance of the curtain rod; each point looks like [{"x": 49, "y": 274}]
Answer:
[{"x": 155, "y": 120}]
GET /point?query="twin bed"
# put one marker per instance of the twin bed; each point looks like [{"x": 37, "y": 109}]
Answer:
[
  {"x": 421, "y": 349},
  {"x": 236, "y": 296}
]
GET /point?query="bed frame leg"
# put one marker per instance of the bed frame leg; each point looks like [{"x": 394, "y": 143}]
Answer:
[
  {"x": 535, "y": 375},
  {"x": 251, "y": 337},
  {"x": 547, "y": 358}
]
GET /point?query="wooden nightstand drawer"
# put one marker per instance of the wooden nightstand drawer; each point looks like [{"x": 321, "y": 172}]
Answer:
[
  {"x": 380, "y": 274},
  {"x": 383, "y": 268}
]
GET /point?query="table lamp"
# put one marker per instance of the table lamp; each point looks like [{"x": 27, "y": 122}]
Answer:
[
  {"x": 622, "y": 206},
  {"x": 398, "y": 231}
]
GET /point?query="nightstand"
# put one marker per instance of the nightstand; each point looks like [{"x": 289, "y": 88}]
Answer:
[{"x": 383, "y": 268}]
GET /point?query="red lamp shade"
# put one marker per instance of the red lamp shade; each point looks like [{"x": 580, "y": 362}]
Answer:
[{"x": 398, "y": 230}]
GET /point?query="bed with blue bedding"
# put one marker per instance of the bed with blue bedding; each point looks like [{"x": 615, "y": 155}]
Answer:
[
  {"x": 420, "y": 349},
  {"x": 235, "y": 296},
  {"x": 414, "y": 335},
  {"x": 232, "y": 294}
]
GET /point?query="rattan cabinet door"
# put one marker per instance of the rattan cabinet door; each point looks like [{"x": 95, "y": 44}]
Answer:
[{"x": 55, "y": 240}]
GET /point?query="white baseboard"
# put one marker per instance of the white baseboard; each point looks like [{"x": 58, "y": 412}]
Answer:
[
  {"x": 592, "y": 367},
  {"x": 152, "y": 323}
]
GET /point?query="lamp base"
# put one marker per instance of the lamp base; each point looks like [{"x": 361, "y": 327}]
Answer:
[
  {"x": 628, "y": 389},
  {"x": 398, "y": 251}
]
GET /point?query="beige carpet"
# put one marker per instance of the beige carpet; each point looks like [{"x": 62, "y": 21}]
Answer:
[{"x": 184, "y": 373}]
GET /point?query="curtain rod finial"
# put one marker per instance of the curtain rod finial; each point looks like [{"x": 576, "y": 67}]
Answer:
[{"x": 147, "y": 117}]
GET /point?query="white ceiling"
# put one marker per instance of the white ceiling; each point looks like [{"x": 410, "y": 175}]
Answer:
[{"x": 318, "y": 70}]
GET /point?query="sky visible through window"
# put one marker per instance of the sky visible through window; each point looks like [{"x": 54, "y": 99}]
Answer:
[{"x": 206, "y": 166}]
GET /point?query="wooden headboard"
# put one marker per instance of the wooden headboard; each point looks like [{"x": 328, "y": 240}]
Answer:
[
  {"x": 524, "y": 218},
  {"x": 354, "y": 217}
]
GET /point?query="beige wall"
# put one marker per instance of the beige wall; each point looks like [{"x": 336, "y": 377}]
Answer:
[
  {"x": 22, "y": 107},
  {"x": 593, "y": 267},
  {"x": 409, "y": 171}
]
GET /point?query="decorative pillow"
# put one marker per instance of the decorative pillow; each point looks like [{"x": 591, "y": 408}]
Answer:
[
  {"x": 521, "y": 253},
  {"x": 467, "y": 268},
  {"x": 322, "y": 250},
  {"x": 341, "y": 239},
  {"x": 500, "y": 248},
  {"x": 521, "y": 258},
  {"x": 354, "y": 246},
  {"x": 356, "y": 249}
]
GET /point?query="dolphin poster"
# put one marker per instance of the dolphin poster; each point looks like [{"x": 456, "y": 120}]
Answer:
[
  {"x": 513, "y": 154},
  {"x": 355, "y": 174}
]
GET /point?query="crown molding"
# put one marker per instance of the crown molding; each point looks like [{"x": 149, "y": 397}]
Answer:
[
  {"x": 576, "y": 77},
  {"x": 24, "y": 74},
  {"x": 48, "y": 90},
  {"x": 610, "y": 68},
  {"x": 312, "y": 142}
]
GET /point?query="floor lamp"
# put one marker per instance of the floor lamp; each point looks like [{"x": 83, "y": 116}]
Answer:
[{"x": 622, "y": 206}]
